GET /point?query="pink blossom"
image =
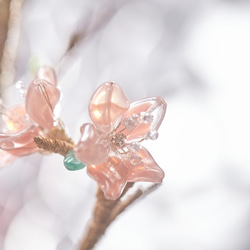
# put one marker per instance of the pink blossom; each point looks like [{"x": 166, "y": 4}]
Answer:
[
  {"x": 111, "y": 146},
  {"x": 22, "y": 122}
]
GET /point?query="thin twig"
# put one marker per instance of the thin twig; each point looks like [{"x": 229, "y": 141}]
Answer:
[
  {"x": 89, "y": 26},
  {"x": 131, "y": 199},
  {"x": 127, "y": 187},
  {"x": 4, "y": 17}
]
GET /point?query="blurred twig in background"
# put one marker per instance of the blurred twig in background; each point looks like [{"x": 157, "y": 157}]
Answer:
[
  {"x": 88, "y": 26},
  {"x": 9, "y": 42},
  {"x": 4, "y": 17}
]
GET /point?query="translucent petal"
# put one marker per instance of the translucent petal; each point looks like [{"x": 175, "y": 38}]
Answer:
[
  {"x": 93, "y": 147},
  {"x": 155, "y": 107},
  {"x": 17, "y": 131},
  {"x": 146, "y": 170},
  {"x": 107, "y": 105},
  {"x": 41, "y": 100},
  {"x": 14, "y": 119},
  {"x": 111, "y": 176},
  {"x": 46, "y": 73},
  {"x": 20, "y": 143}
]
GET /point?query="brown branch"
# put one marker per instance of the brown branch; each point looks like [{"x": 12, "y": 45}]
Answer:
[
  {"x": 106, "y": 211},
  {"x": 127, "y": 187},
  {"x": 100, "y": 219},
  {"x": 53, "y": 145}
]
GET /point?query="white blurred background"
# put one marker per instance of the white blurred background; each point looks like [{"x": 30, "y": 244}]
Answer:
[{"x": 195, "y": 54}]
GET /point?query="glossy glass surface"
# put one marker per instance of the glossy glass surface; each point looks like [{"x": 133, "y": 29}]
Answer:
[
  {"x": 107, "y": 105},
  {"x": 41, "y": 99},
  {"x": 93, "y": 147}
]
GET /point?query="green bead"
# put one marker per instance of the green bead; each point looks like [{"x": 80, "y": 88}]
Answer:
[{"x": 72, "y": 163}]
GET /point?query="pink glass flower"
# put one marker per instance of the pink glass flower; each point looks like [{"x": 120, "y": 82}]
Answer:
[
  {"x": 22, "y": 122},
  {"x": 111, "y": 147}
]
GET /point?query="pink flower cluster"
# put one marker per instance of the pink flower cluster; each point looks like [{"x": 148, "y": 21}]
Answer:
[{"x": 111, "y": 146}]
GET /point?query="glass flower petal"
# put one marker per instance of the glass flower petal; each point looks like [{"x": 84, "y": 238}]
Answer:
[
  {"x": 17, "y": 131},
  {"x": 107, "y": 105},
  {"x": 20, "y": 143},
  {"x": 150, "y": 112},
  {"x": 146, "y": 169},
  {"x": 93, "y": 147},
  {"x": 13, "y": 119},
  {"x": 111, "y": 176},
  {"x": 47, "y": 73},
  {"x": 41, "y": 100}
]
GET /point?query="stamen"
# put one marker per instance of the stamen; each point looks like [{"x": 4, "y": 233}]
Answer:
[
  {"x": 146, "y": 117},
  {"x": 114, "y": 130},
  {"x": 121, "y": 130}
]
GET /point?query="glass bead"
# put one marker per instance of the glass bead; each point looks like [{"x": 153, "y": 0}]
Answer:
[
  {"x": 134, "y": 146},
  {"x": 129, "y": 123},
  {"x": 20, "y": 86},
  {"x": 72, "y": 163},
  {"x": 155, "y": 106},
  {"x": 152, "y": 135},
  {"x": 136, "y": 118},
  {"x": 146, "y": 117},
  {"x": 135, "y": 159}
]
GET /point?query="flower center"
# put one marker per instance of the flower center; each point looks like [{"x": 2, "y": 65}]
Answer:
[{"x": 118, "y": 141}]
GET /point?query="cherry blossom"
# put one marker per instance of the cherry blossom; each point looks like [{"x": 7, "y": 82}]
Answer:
[
  {"x": 22, "y": 122},
  {"x": 111, "y": 146}
]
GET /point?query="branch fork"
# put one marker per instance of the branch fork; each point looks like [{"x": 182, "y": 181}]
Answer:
[{"x": 105, "y": 211}]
